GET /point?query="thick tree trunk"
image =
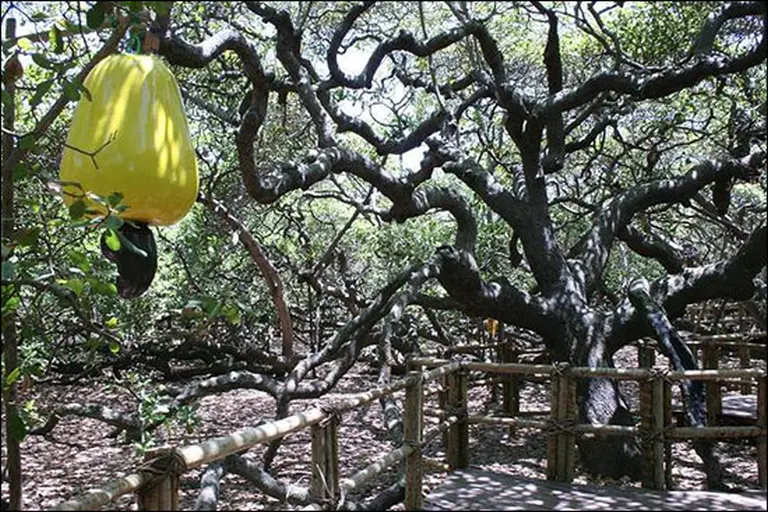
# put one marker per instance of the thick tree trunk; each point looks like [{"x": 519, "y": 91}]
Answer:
[{"x": 600, "y": 402}]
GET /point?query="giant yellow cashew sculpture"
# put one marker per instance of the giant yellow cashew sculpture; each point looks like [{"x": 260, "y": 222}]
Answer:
[{"x": 132, "y": 137}]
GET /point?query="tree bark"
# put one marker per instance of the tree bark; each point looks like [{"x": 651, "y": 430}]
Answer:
[{"x": 10, "y": 343}]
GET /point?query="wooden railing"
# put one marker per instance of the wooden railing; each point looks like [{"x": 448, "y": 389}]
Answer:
[
  {"x": 156, "y": 482},
  {"x": 655, "y": 428}
]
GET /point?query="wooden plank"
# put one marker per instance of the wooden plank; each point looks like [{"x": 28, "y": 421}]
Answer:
[{"x": 474, "y": 489}]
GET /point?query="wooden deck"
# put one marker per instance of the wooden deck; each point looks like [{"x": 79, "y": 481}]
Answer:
[{"x": 473, "y": 489}]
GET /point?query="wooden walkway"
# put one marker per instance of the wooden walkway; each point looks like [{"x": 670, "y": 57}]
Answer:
[{"x": 473, "y": 489}]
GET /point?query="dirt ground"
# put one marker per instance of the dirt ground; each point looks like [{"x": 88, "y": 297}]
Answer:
[{"x": 78, "y": 456}]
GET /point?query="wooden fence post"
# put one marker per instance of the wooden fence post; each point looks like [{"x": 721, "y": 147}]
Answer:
[
  {"x": 567, "y": 404},
  {"x": 457, "y": 449},
  {"x": 652, "y": 429},
  {"x": 710, "y": 354},
  {"x": 668, "y": 482},
  {"x": 762, "y": 445},
  {"x": 552, "y": 442},
  {"x": 560, "y": 449},
  {"x": 412, "y": 435},
  {"x": 745, "y": 361},
  {"x": 510, "y": 385},
  {"x": 646, "y": 354},
  {"x": 443, "y": 398},
  {"x": 162, "y": 493},
  {"x": 324, "y": 484}
]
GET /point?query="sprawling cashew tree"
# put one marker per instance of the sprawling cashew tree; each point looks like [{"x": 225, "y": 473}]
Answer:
[{"x": 615, "y": 127}]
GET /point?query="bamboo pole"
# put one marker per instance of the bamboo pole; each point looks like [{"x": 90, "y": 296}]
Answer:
[
  {"x": 412, "y": 436},
  {"x": 218, "y": 448},
  {"x": 97, "y": 498},
  {"x": 395, "y": 456},
  {"x": 375, "y": 468},
  {"x": 715, "y": 432},
  {"x": 762, "y": 445},
  {"x": 583, "y": 430},
  {"x": 611, "y": 373},
  {"x": 714, "y": 338},
  {"x": 507, "y": 422}
]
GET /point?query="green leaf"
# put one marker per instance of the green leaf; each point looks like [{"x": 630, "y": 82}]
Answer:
[
  {"x": 40, "y": 16},
  {"x": 7, "y": 99},
  {"x": 94, "y": 17},
  {"x": 28, "y": 237},
  {"x": 8, "y": 270},
  {"x": 43, "y": 62},
  {"x": 232, "y": 314},
  {"x": 131, "y": 246},
  {"x": 114, "y": 199},
  {"x": 103, "y": 288},
  {"x": 71, "y": 91},
  {"x": 75, "y": 284},
  {"x": 16, "y": 426},
  {"x": 12, "y": 377},
  {"x": 114, "y": 222},
  {"x": 135, "y": 6},
  {"x": 54, "y": 36},
  {"x": 11, "y": 305},
  {"x": 111, "y": 323},
  {"x": 114, "y": 347},
  {"x": 27, "y": 142},
  {"x": 77, "y": 209},
  {"x": 112, "y": 240},
  {"x": 24, "y": 43},
  {"x": 80, "y": 260},
  {"x": 161, "y": 8},
  {"x": 19, "y": 172}
]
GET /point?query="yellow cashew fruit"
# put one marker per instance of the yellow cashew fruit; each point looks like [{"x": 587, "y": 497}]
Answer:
[{"x": 132, "y": 137}]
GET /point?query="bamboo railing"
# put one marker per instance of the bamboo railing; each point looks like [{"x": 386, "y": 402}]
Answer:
[
  {"x": 655, "y": 427},
  {"x": 156, "y": 482}
]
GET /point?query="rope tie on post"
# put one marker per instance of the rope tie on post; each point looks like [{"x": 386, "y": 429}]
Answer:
[
  {"x": 659, "y": 372},
  {"x": 560, "y": 426},
  {"x": 648, "y": 435},
  {"x": 416, "y": 445},
  {"x": 459, "y": 411},
  {"x": 333, "y": 415},
  {"x": 560, "y": 368},
  {"x": 167, "y": 464}
]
